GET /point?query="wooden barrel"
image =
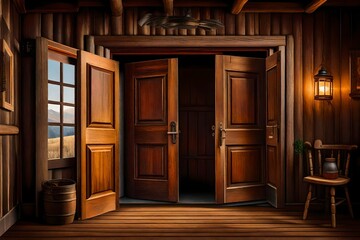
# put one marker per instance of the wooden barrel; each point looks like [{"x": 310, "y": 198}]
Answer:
[{"x": 59, "y": 201}]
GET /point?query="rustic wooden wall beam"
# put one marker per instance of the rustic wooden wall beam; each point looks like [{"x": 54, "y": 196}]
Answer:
[
  {"x": 116, "y": 7},
  {"x": 8, "y": 129},
  {"x": 169, "y": 7},
  {"x": 189, "y": 41},
  {"x": 186, "y": 3},
  {"x": 274, "y": 7},
  {"x": 238, "y": 6},
  {"x": 314, "y": 5}
]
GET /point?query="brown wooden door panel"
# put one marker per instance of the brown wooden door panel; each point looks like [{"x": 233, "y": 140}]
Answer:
[
  {"x": 151, "y": 155},
  {"x": 274, "y": 114},
  {"x": 240, "y": 145},
  {"x": 99, "y": 128},
  {"x": 100, "y": 169}
]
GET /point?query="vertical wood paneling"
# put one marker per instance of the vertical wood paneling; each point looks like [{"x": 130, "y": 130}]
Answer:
[
  {"x": 332, "y": 26},
  {"x": 220, "y": 15},
  {"x": 58, "y": 27},
  {"x": 345, "y": 119},
  {"x": 117, "y": 25},
  {"x": 99, "y": 50},
  {"x": 6, "y": 174},
  {"x": 308, "y": 60},
  {"x": 230, "y": 24},
  {"x": 298, "y": 192},
  {"x": 265, "y": 24},
  {"x": 89, "y": 44},
  {"x": 275, "y": 24},
  {"x": 68, "y": 30},
  {"x": 289, "y": 95},
  {"x": 207, "y": 15},
  {"x": 240, "y": 24},
  {"x": 250, "y": 24},
  {"x": 144, "y": 30},
  {"x": 107, "y": 20},
  {"x": 129, "y": 21},
  {"x": 196, "y": 15},
  {"x": 2, "y": 195},
  {"x": 82, "y": 28},
  {"x": 47, "y": 29},
  {"x": 256, "y": 24},
  {"x": 355, "y": 111},
  {"x": 33, "y": 30},
  {"x": 286, "y": 24},
  {"x": 98, "y": 23},
  {"x": 181, "y": 12},
  {"x": 318, "y": 60}
]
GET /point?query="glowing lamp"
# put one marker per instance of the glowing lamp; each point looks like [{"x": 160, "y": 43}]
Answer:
[{"x": 323, "y": 85}]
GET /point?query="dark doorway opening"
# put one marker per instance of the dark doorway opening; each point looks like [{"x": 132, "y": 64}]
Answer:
[{"x": 196, "y": 120}]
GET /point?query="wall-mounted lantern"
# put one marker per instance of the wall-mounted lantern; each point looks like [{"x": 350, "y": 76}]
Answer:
[{"x": 323, "y": 85}]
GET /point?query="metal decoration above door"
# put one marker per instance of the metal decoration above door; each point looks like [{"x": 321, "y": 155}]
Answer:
[{"x": 180, "y": 22}]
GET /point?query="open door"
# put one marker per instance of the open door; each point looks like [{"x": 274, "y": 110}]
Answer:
[
  {"x": 240, "y": 129},
  {"x": 274, "y": 130},
  {"x": 151, "y": 95},
  {"x": 99, "y": 129}
]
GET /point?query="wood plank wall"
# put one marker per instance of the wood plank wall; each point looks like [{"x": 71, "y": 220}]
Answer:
[
  {"x": 9, "y": 123},
  {"x": 327, "y": 34}
]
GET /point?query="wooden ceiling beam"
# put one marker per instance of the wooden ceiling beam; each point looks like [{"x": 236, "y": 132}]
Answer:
[
  {"x": 169, "y": 7},
  {"x": 278, "y": 7},
  {"x": 238, "y": 6},
  {"x": 20, "y": 6},
  {"x": 183, "y": 3},
  {"x": 116, "y": 7},
  {"x": 315, "y": 4}
]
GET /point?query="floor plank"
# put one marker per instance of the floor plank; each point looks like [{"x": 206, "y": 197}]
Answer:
[{"x": 191, "y": 221}]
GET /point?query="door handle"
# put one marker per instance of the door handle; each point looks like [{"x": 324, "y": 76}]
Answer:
[
  {"x": 173, "y": 132},
  {"x": 275, "y": 130},
  {"x": 221, "y": 133}
]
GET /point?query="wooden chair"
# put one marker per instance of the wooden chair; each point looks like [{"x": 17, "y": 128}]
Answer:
[{"x": 342, "y": 154}]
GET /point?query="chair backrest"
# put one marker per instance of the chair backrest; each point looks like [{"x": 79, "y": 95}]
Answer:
[{"x": 317, "y": 154}]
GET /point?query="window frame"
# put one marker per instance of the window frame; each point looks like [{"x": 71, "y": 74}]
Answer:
[
  {"x": 43, "y": 165},
  {"x": 62, "y": 162}
]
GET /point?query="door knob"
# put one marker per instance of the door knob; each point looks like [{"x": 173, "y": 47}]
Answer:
[{"x": 173, "y": 132}]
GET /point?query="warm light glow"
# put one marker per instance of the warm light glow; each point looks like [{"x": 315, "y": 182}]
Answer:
[
  {"x": 323, "y": 85},
  {"x": 324, "y": 88}
]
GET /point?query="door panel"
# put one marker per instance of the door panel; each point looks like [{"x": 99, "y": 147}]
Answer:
[
  {"x": 274, "y": 113},
  {"x": 240, "y": 124},
  {"x": 99, "y": 128},
  {"x": 151, "y": 130}
]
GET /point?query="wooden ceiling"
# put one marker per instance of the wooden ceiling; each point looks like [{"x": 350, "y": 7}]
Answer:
[{"x": 233, "y": 6}]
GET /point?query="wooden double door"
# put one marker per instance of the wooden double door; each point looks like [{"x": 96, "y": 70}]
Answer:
[{"x": 246, "y": 129}]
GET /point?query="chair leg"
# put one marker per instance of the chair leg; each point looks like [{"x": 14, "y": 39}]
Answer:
[
  {"x": 348, "y": 201},
  {"x": 307, "y": 203},
  {"x": 333, "y": 207},
  {"x": 327, "y": 200}
]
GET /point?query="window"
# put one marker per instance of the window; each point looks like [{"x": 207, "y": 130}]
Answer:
[{"x": 61, "y": 107}]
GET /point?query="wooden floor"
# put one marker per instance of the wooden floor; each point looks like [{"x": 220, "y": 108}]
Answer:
[{"x": 190, "y": 222}]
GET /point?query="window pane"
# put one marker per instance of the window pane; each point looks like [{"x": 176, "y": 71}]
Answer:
[
  {"x": 53, "y": 92},
  {"x": 69, "y": 142},
  {"x": 54, "y": 113},
  {"x": 68, "y": 73},
  {"x": 69, "y": 95},
  {"x": 54, "y": 70},
  {"x": 69, "y": 114},
  {"x": 53, "y": 142}
]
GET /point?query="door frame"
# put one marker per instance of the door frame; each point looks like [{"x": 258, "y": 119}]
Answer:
[{"x": 186, "y": 45}]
